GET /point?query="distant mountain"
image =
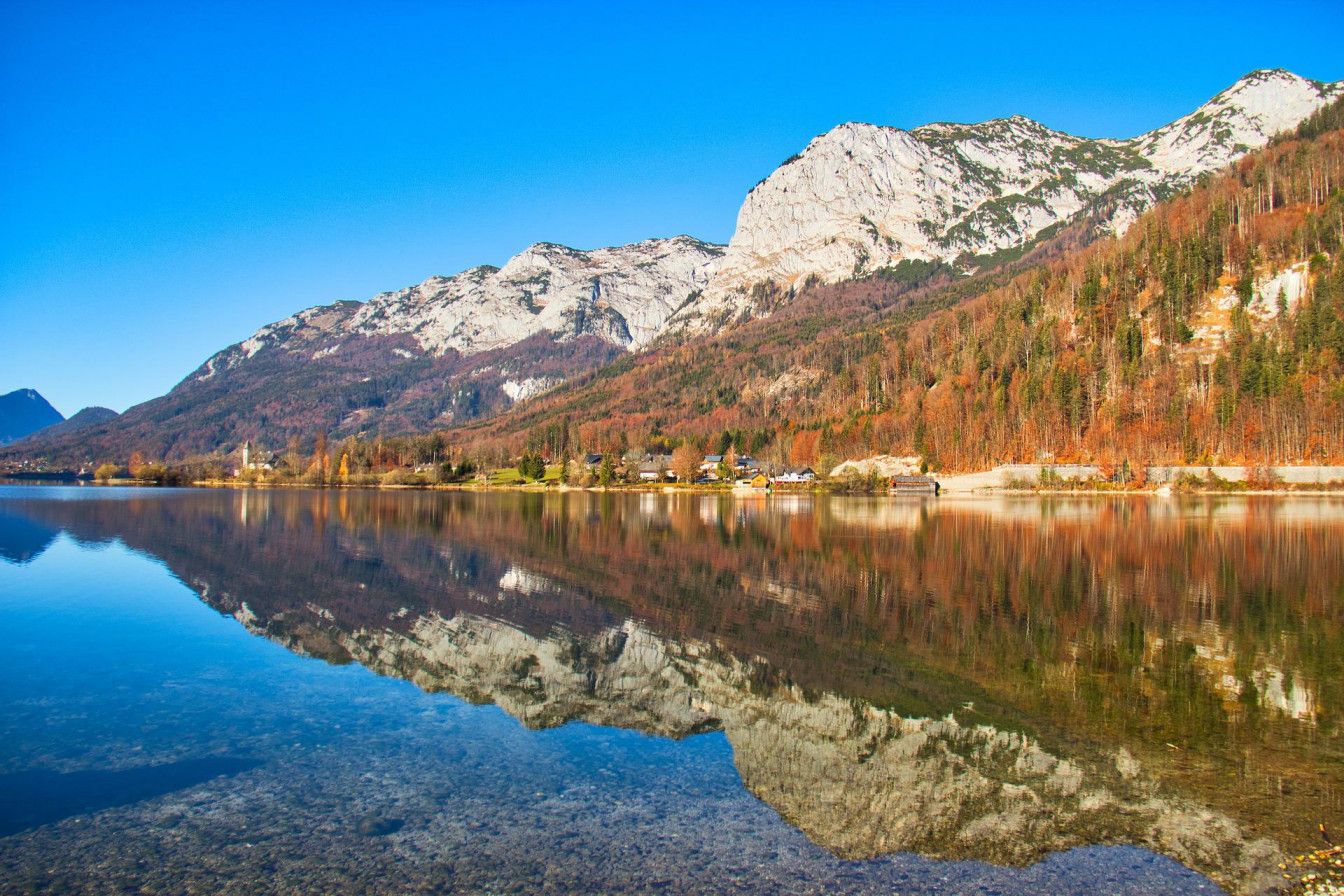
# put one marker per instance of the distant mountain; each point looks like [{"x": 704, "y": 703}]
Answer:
[
  {"x": 620, "y": 296},
  {"x": 22, "y": 412},
  {"x": 862, "y": 198},
  {"x": 942, "y": 201},
  {"x": 90, "y": 416},
  {"x": 446, "y": 351}
]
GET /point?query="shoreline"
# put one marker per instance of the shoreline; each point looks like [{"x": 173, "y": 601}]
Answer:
[{"x": 1290, "y": 490}]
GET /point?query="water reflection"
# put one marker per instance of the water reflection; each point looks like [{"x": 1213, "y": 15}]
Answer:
[
  {"x": 21, "y": 539},
  {"x": 989, "y": 680},
  {"x": 37, "y": 797}
]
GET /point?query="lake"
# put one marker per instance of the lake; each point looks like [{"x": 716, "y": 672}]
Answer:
[{"x": 396, "y": 692}]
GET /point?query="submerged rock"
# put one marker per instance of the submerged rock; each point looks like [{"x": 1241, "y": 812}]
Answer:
[{"x": 378, "y": 826}]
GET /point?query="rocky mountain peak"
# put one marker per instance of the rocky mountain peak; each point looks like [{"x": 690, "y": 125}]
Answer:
[
  {"x": 621, "y": 294},
  {"x": 23, "y": 412},
  {"x": 859, "y": 200},
  {"x": 864, "y": 197},
  {"x": 1239, "y": 119}
]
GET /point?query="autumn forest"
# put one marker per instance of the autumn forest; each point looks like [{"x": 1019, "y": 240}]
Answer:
[{"x": 1160, "y": 346}]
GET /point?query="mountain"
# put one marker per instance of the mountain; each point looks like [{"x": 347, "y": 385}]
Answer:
[
  {"x": 445, "y": 351},
  {"x": 81, "y": 420},
  {"x": 1213, "y": 328},
  {"x": 620, "y": 295},
  {"x": 23, "y": 412},
  {"x": 894, "y": 209},
  {"x": 862, "y": 198}
]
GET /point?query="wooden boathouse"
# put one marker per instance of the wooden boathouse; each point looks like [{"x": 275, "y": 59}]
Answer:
[{"x": 914, "y": 485}]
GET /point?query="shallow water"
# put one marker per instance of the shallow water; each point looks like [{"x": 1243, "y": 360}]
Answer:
[{"x": 401, "y": 692}]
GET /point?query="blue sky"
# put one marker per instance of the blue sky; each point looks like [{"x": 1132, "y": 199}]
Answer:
[{"x": 173, "y": 176}]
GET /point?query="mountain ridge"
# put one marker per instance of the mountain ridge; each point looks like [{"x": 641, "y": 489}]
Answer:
[
  {"x": 450, "y": 350},
  {"x": 1215, "y": 328},
  {"x": 80, "y": 420},
  {"x": 862, "y": 197},
  {"x": 24, "y": 412}
]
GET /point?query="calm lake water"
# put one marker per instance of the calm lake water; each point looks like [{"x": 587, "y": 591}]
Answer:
[{"x": 325, "y": 692}]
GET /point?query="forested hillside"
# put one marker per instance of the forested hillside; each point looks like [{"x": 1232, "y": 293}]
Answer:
[
  {"x": 1214, "y": 329},
  {"x": 1211, "y": 331}
]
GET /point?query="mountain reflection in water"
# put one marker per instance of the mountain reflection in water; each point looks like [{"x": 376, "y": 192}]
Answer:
[{"x": 992, "y": 680}]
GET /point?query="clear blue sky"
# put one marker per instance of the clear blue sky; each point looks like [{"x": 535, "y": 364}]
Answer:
[{"x": 173, "y": 176}]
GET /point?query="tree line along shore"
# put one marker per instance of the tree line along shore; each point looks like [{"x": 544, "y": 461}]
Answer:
[{"x": 534, "y": 473}]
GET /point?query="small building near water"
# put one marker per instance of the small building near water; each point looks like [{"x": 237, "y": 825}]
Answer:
[{"x": 914, "y": 485}]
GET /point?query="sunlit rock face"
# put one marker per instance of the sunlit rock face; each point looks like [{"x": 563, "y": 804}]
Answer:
[
  {"x": 862, "y": 198},
  {"x": 622, "y": 295},
  {"x": 858, "y": 199}
]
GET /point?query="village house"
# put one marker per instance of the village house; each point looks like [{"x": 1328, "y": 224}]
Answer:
[
  {"x": 743, "y": 467},
  {"x": 795, "y": 476},
  {"x": 656, "y": 467}
]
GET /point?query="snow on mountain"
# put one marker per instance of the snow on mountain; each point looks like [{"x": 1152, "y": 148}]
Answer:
[
  {"x": 864, "y": 197},
  {"x": 622, "y": 295}
]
